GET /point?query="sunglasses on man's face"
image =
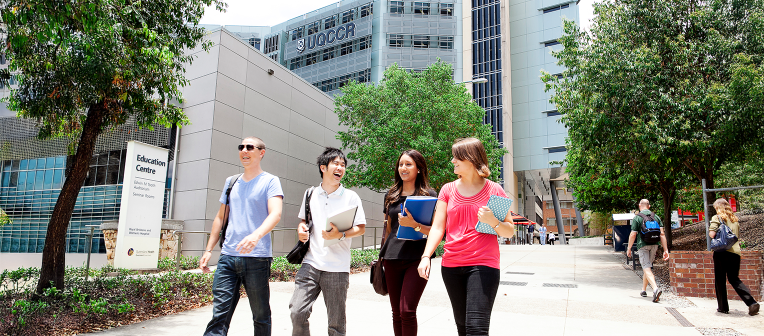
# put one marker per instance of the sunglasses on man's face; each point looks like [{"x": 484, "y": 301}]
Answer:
[{"x": 248, "y": 147}]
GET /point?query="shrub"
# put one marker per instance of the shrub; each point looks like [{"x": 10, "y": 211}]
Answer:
[{"x": 112, "y": 296}]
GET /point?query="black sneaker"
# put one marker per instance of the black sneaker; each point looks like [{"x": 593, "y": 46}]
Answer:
[
  {"x": 657, "y": 296},
  {"x": 723, "y": 311},
  {"x": 643, "y": 294},
  {"x": 753, "y": 309}
]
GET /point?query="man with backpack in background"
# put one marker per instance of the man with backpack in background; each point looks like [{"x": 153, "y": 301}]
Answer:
[
  {"x": 250, "y": 208},
  {"x": 647, "y": 230}
]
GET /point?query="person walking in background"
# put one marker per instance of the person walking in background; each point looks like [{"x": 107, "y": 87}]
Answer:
[
  {"x": 727, "y": 262},
  {"x": 401, "y": 257},
  {"x": 551, "y": 238},
  {"x": 470, "y": 264},
  {"x": 531, "y": 229},
  {"x": 542, "y": 235},
  {"x": 646, "y": 250},
  {"x": 326, "y": 269},
  {"x": 254, "y": 209}
]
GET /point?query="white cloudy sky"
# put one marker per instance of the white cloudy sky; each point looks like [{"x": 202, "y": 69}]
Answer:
[{"x": 261, "y": 12}]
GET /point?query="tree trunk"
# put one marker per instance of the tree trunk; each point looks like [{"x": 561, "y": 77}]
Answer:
[
  {"x": 53, "y": 255},
  {"x": 668, "y": 201}
]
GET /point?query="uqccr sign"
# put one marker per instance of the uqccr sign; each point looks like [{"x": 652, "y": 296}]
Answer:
[{"x": 327, "y": 37}]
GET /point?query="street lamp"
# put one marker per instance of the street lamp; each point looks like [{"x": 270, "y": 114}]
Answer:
[{"x": 475, "y": 81}]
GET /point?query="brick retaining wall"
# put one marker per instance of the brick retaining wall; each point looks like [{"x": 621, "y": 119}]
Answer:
[{"x": 692, "y": 274}]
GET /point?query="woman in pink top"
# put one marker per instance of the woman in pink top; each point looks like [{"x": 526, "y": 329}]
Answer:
[{"x": 470, "y": 265}]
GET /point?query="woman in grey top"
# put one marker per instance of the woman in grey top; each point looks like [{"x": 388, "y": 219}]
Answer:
[{"x": 727, "y": 262}]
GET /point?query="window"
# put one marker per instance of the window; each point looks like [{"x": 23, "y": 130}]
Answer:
[
  {"x": 559, "y": 75},
  {"x": 313, "y": 27},
  {"x": 294, "y": 63},
  {"x": 559, "y": 149},
  {"x": 366, "y": 10},
  {"x": 447, "y": 9},
  {"x": 551, "y": 43},
  {"x": 271, "y": 44},
  {"x": 364, "y": 43},
  {"x": 297, "y": 33},
  {"x": 2, "y": 58},
  {"x": 552, "y": 113},
  {"x": 328, "y": 54},
  {"x": 255, "y": 42},
  {"x": 396, "y": 7},
  {"x": 346, "y": 48},
  {"x": 274, "y": 57},
  {"x": 348, "y": 16},
  {"x": 396, "y": 40},
  {"x": 446, "y": 42},
  {"x": 421, "y": 41},
  {"x": 422, "y": 8},
  {"x": 554, "y": 9},
  {"x": 311, "y": 58},
  {"x": 330, "y": 22}
]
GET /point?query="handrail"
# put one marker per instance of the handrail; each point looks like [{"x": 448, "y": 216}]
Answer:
[{"x": 180, "y": 233}]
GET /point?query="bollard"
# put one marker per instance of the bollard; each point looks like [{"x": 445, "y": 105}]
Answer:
[
  {"x": 90, "y": 248},
  {"x": 180, "y": 246}
]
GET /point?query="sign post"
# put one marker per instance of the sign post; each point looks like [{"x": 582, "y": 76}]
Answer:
[{"x": 140, "y": 214}]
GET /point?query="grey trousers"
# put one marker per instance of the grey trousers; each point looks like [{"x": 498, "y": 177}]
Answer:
[{"x": 308, "y": 283}]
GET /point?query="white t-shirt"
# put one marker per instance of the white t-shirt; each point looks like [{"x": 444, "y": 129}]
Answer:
[{"x": 335, "y": 258}]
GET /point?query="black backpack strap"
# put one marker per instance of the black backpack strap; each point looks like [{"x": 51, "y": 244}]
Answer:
[
  {"x": 308, "y": 215},
  {"x": 234, "y": 178}
]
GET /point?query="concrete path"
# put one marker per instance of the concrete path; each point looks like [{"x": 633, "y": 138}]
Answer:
[{"x": 535, "y": 298}]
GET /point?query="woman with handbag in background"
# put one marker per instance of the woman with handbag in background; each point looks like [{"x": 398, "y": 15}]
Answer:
[
  {"x": 727, "y": 262},
  {"x": 400, "y": 258}
]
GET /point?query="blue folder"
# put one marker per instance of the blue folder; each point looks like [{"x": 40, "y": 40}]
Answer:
[
  {"x": 500, "y": 208},
  {"x": 422, "y": 208}
]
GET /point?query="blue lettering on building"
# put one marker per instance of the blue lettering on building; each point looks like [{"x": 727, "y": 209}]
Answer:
[{"x": 327, "y": 38}]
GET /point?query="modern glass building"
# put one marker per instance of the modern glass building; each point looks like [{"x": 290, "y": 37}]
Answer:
[
  {"x": 359, "y": 39},
  {"x": 33, "y": 171}
]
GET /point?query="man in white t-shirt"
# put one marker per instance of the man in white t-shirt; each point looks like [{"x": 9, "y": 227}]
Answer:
[{"x": 326, "y": 269}]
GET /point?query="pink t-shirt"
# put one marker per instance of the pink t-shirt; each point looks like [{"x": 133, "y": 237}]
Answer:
[{"x": 464, "y": 245}]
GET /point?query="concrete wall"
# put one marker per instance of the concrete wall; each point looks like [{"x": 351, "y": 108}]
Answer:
[
  {"x": 532, "y": 129},
  {"x": 12, "y": 261},
  {"x": 232, "y": 96}
]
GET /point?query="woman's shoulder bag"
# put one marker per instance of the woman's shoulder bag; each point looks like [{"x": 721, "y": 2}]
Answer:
[
  {"x": 724, "y": 238},
  {"x": 298, "y": 252}
]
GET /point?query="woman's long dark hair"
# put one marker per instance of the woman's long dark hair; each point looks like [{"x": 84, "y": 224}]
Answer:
[{"x": 421, "y": 185}]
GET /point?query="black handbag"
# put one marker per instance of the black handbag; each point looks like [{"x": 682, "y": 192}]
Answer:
[
  {"x": 377, "y": 276},
  {"x": 227, "y": 208},
  {"x": 298, "y": 252},
  {"x": 724, "y": 238}
]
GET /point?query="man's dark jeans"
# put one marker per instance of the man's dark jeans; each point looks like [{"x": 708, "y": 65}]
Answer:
[
  {"x": 231, "y": 273},
  {"x": 472, "y": 290}
]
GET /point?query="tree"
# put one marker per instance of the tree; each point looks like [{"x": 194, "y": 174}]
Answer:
[
  {"x": 668, "y": 77},
  {"x": 88, "y": 66},
  {"x": 4, "y": 219},
  {"x": 425, "y": 111}
]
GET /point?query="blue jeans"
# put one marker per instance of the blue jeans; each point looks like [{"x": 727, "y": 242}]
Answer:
[{"x": 230, "y": 274}]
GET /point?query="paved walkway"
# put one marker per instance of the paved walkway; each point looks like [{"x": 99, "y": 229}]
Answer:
[{"x": 605, "y": 301}]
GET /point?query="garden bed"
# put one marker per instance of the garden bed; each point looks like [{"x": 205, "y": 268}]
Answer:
[{"x": 114, "y": 297}]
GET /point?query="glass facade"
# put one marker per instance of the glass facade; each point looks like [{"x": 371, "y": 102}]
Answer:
[
  {"x": 30, "y": 188},
  {"x": 486, "y": 63}
]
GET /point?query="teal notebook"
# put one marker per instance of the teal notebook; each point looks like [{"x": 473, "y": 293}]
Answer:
[{"x": 500, "y": 208}]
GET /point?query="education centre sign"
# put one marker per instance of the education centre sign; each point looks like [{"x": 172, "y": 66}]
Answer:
[{"x": 140, "y": 214}]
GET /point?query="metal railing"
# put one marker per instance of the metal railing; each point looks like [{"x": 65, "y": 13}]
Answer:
[
  {"x": 363, "y": 237},
  {"x": 179, "y": 234},
  {"x": 90, "y": 248}
]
